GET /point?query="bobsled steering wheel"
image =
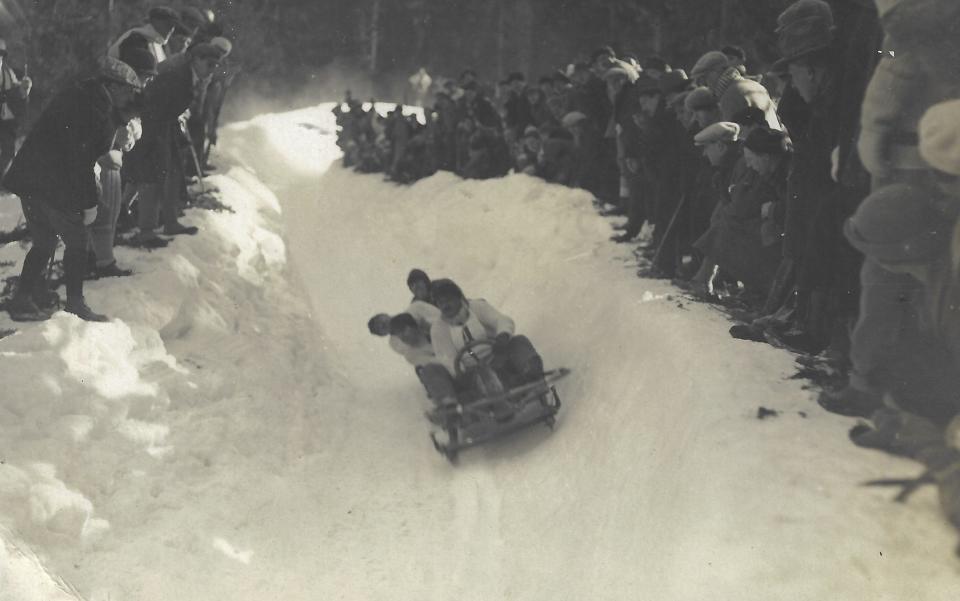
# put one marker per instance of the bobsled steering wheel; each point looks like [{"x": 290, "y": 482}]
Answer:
[{"x": 470, "y": 350}]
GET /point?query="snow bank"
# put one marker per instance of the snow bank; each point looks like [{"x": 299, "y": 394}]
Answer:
[{"x": 104, "y": 426}]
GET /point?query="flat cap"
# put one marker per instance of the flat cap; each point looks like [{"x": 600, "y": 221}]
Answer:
[
  {"x": 724, "y": 131},
  {"x": 709, "y": 62}
]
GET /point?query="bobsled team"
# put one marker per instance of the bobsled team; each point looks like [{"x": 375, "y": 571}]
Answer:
[{"x": 439, "y": 323}]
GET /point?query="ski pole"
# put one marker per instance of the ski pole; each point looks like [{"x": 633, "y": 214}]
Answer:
[{"x": 673, "y": 220}]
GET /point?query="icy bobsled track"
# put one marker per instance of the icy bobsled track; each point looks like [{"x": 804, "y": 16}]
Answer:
[{"x": 262, "y": 445}]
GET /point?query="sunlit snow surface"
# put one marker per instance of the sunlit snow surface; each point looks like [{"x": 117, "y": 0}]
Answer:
[{"x": 237, "y": 434}]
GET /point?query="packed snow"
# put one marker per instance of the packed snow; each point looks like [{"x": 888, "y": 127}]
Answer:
[{"x": 235, "y": 432}]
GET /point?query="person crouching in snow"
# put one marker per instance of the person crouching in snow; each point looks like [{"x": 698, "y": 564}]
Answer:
[
  {"x": 464, "y": 320},
  {"x": 54, "y": 177}
]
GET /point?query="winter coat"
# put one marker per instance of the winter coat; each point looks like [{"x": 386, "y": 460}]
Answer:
[
  {"x": 483, "y": 323},
  {"x": 518, "y": 113},
  {"x": 416, "y": 356},
  {"x": 55, "y": 163},
  {"x": 918, "y": 68},
  {"x": 810, "y": 183},
  {"x": 165, "y": 99},
  {"x": 860, "y": 36},
  {"x": 481, "y": 110},
  {"x": 734, "y": 240},
  {"x": 557, "y": 160},
  {"x": 734, "y": 92}
]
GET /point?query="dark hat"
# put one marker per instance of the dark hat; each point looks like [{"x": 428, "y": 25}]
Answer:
[
  {"x": 117, "y": 71},
  {"x": 205, "y": 50},
  {"x": 764, "y": 140},
  {"x": 603, "y": 50},
  {"x": 646, "y": 86},
  {"x": 734, "y": 51},
  {"x": 899, "y": 224},
  {"x": 417, "y": 275},
  {"x": 193, "y": 17},
  {"x": 805, "y": 27},
  {"x": 140, "y": 59},
  {"x": 401, "y": 322},
  {"x": 674, "y": 81},
  {"x": 445, "y": 288},
  {"x": 750, "y": 115},
  {"x": 655, "y": 62},
  {"x": 700, "y": 99},
  {"x": 164, "y": 13}
]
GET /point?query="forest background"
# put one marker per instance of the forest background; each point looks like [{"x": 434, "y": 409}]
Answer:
[{"x": 296, "y": 52}]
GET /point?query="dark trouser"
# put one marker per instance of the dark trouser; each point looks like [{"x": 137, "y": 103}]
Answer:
[
  {"x": 45, "y": 223},
  {"x": 8, "y": 143},
  {"x": 518, "y": 362},
  {"x": 636, "y": 209},
  {"x": 888, "y": 304},
  {"x": 438, "y": 382}
]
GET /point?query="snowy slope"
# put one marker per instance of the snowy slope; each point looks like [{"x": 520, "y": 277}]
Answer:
[{"x": 256, "y": 443}]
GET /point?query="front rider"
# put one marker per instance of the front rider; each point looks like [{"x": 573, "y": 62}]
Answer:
[{"x": 463, "y": 321}]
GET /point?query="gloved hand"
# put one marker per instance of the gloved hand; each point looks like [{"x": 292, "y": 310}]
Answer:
[
  {"x": 89, "y": 215},
  {"x": 500, "y": 342}
]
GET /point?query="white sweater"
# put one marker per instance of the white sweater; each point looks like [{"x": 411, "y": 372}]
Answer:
[{"x": 483, "y": 323}]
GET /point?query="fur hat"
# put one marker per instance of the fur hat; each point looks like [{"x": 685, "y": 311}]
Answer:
[
  {"x": 898, "y": 224},
  {"x": 710, "y": 62},
  {"x": 723, "y": 131},
  {"x": 940, "y": 137}
]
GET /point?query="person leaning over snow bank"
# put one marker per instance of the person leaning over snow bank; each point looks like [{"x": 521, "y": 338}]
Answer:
[
  {"x": 54, "y": 177},
  {"x": 153, "y": 163},
  {"x": 464, "y": 321}
]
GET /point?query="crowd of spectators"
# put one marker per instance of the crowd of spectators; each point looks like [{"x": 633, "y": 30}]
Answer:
[
  {"x": 819, "y": 196},
  {"x": 112, "y": 150}
]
